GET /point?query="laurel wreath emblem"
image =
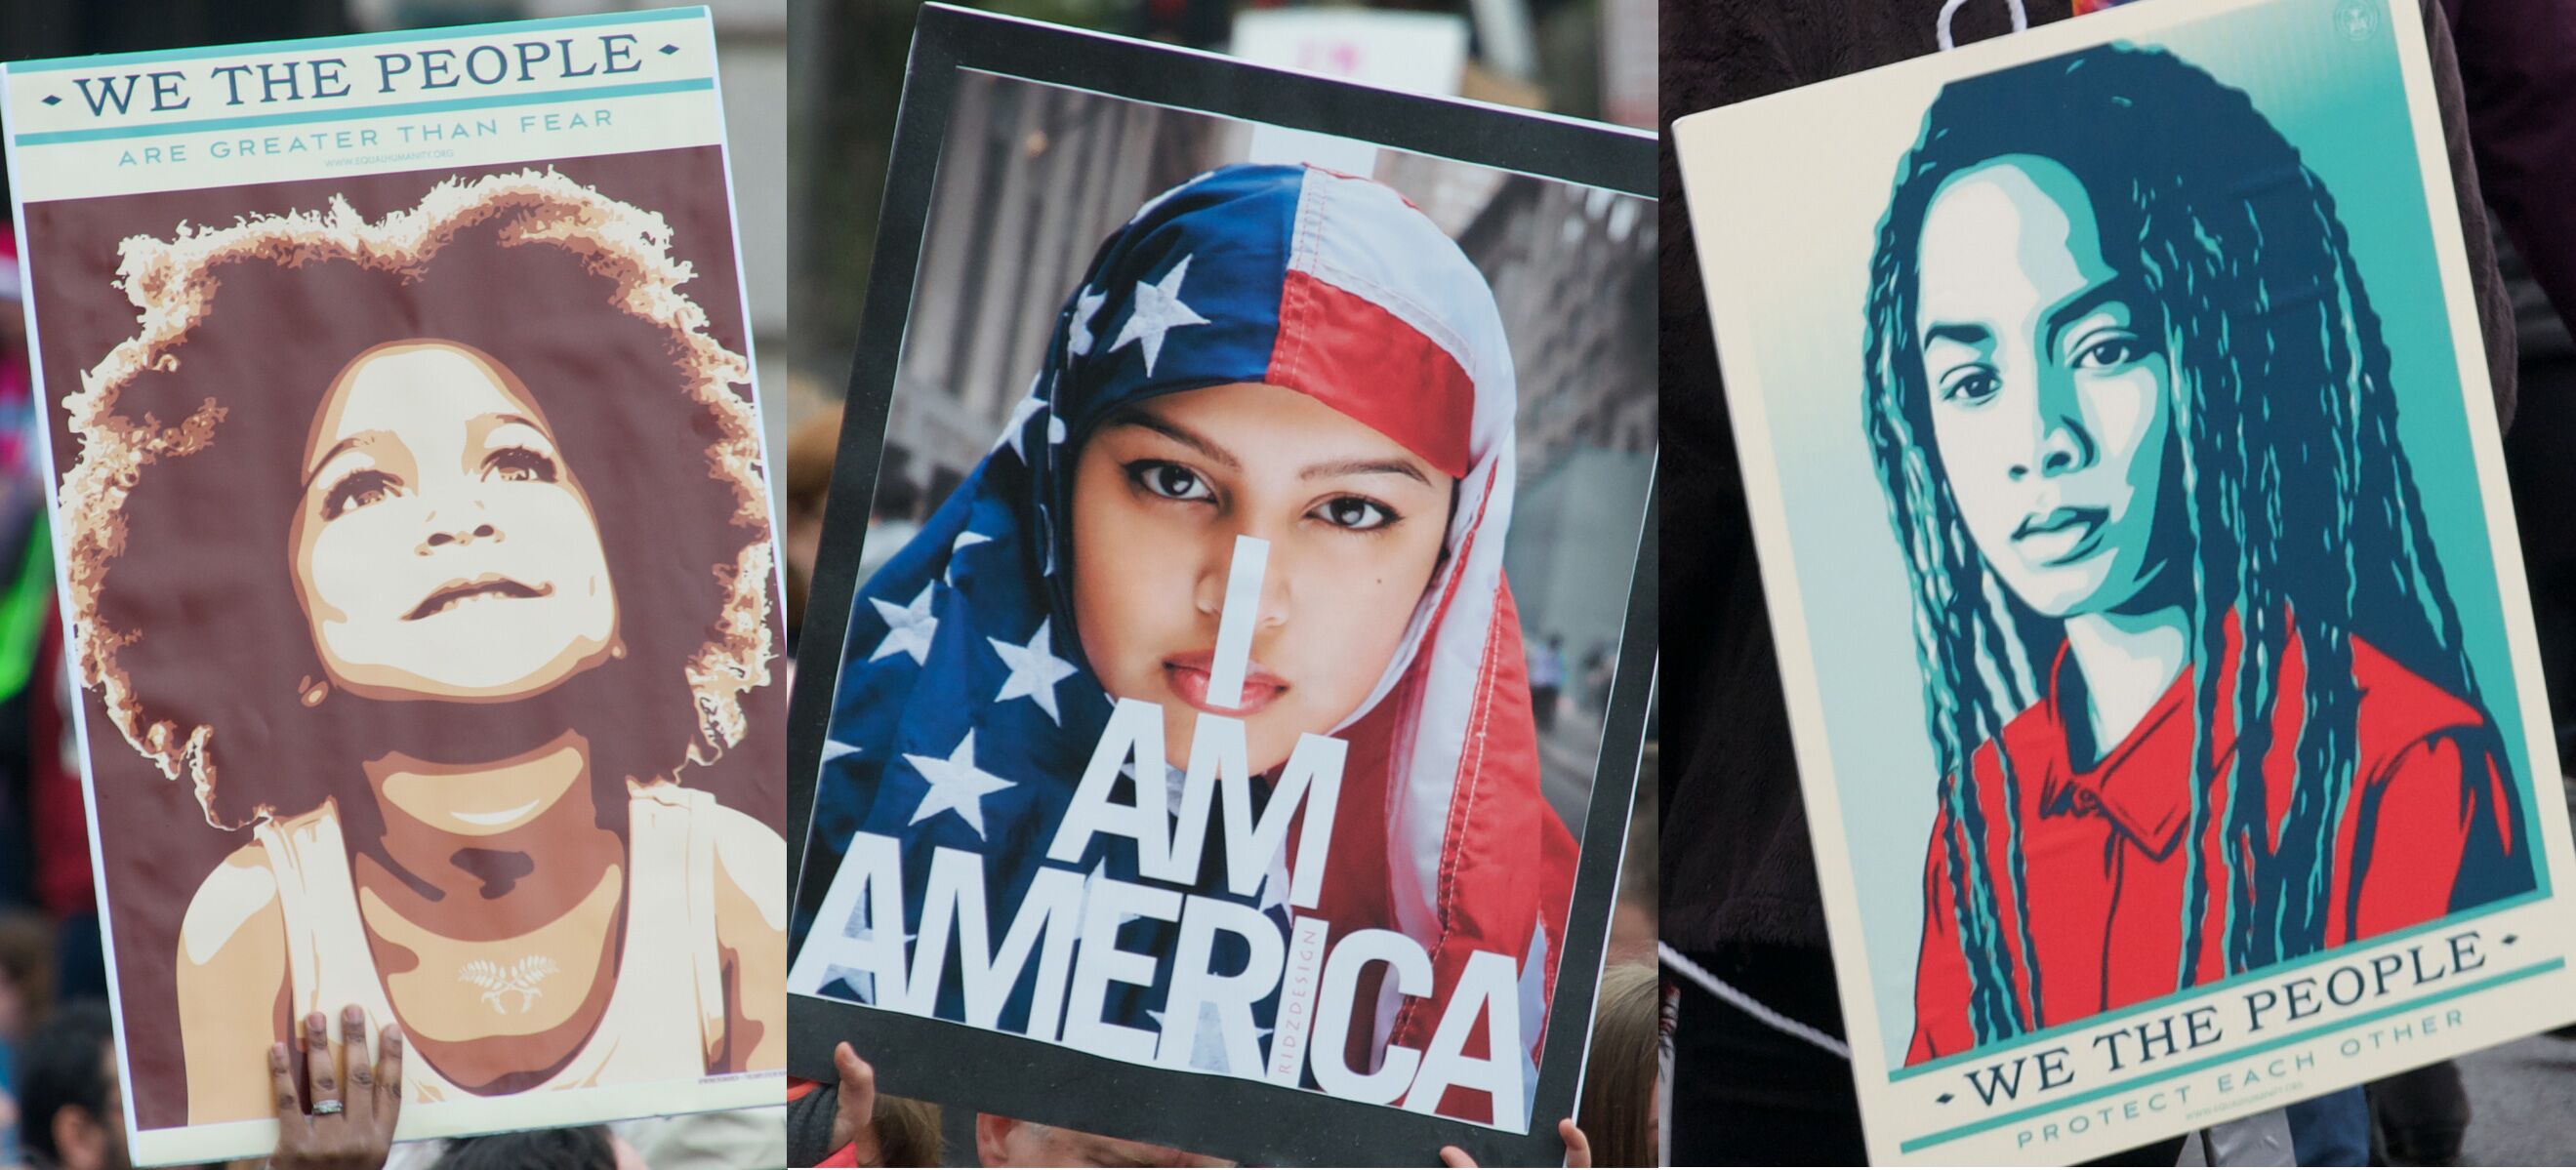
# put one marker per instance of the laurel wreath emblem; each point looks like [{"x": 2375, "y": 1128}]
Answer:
[{"x": 498, "y": 981}]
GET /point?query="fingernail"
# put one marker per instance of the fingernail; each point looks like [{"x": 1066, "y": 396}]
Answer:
[
  {"x": 393, "y": 1034},
  {"x": 353, "y": 1015},
  {"x": 317, "y": 1021},
  {"x": 277, "y": 1058}
]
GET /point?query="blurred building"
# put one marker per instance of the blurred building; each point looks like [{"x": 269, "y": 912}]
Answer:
[
  {"x": 1573, "y": 272},
  {"x": 1033, "y": 178},
  {"x": 1585, "y": 58}
]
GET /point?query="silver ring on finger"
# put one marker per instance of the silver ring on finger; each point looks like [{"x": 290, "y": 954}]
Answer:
[{"x": 326, "y": 1108}]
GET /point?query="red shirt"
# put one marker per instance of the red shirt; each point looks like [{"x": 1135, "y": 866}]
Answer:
[{"x": 2105, "y": 875}]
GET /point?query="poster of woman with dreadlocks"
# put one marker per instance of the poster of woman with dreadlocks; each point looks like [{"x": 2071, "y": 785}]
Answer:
[
  {"x": 1189, "y": 729},
  {"x": 2183, "y": 478}
]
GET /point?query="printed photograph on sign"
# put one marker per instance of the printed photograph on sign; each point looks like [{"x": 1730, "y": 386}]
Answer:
[
  {"x": 414, "y": 537},
  {"x": 2125, "y": 473},
  {"x": 1246, "y": 570}
]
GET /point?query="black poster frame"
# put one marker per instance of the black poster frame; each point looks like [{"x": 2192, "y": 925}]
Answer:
[{"x": 967, "y": 1067}]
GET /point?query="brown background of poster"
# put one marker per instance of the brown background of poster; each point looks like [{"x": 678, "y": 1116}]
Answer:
[{"x": 156, "y": 844}]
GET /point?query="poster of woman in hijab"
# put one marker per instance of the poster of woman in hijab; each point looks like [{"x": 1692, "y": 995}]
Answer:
[
  {"x": 1192, "y": 724},
  {"x": 2188, "y": 553},
  {"x": 421, "y": 596}
]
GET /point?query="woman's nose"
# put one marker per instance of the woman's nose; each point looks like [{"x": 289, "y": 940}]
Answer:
[
  {"x": 455, "y": 534},
  {"x": 1216, "y": 573},
  {"x": 2059, "y": 440}
]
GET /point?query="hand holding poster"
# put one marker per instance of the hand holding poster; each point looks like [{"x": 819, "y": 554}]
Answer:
[
  {"x": 1201, "y": 751},
  {"x": 416, "y": 560},
  {"x": 2164, "y": 490}
]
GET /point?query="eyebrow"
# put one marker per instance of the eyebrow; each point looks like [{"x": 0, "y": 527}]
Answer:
[
  {"x": 1974, "y": 336},
  {"x": 486, "y": 424},
  {"x": 1403, "y": 467},
  {"x": 1179, "y": 434},
  {"x": 2119, "y": 289},
  {"x": 362, "y": 437}
]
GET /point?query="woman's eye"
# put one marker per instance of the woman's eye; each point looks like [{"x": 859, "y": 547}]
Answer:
[
  {"x": 520, "y": 464},
  {"x": 357, "y": 490},
  {"x": 1971, "y": 387},
  {"x": 1170, "y": 481},
  {"x": 2110, "y": 351},
  {"x": 1355, "y": 513}
]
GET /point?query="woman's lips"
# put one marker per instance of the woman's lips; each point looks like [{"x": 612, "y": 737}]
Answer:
[
  {"x": 2061, "y": 535},
  {"x": 1188, "y": 676},
  {"x": 462, "y": 590}
]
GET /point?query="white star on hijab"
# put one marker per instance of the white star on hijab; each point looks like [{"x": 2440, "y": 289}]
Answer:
[
  {"x": 956, "y": 785},
  {"x": 1019, "y": 421},
  {"x": 909, "y": 628},
  {"x": 965, "y": 540},
  {"x": 1035, "y": 671},
  {"x": 1077, "y": 337},
  {"x": 1158, "y": 311}
]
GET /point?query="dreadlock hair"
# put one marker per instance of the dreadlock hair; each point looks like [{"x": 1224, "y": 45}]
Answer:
[{"x": 2299, "y": 510}]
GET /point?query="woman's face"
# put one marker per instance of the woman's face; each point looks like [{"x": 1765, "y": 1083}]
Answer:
[
  {"x": 2048, "y": 383},
  {"x": 442, "y": 548},
  {"x": 1355, "y": 524}
]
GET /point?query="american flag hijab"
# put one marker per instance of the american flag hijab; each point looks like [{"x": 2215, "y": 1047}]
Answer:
[{"x": 966, "y": 713}]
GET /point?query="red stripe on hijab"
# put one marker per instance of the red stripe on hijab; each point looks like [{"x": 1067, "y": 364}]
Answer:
[{"x": 1349, "y": 353}]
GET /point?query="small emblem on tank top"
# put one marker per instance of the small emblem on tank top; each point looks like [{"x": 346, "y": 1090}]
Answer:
[{"x": 498, "y": 981}]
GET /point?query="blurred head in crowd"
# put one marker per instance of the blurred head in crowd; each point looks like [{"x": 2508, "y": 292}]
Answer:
[
  {"x": 1001, "y": 1141},
  {"x": 71, "y": 1112},
  {"x": 907, "y": 1132},
  {"x": 1618, "y": 1110},
  {"x": 26, "y": 972},
  {"x": 589, "y": 1147},
  {"x": 811, "y": 447}
]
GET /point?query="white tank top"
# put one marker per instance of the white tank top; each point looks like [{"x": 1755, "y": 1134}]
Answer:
[{"x": 667, "y": 972}]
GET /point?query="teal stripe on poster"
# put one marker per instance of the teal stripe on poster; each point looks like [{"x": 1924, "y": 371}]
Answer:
[
  {"x": 1950, "y": 1135},
  {"x": 395, "y": 37},
  {"x": 2196, "y": 990},
  {"x": 451, "y": 106}
]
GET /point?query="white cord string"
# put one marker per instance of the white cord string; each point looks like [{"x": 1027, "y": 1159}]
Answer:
[
  {"x": 1747, "y": 1004},
  {"x": 1949, "y": 8}
]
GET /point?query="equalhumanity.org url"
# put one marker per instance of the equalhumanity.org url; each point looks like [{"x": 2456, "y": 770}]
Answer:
[{"x": 368, "y": 160}]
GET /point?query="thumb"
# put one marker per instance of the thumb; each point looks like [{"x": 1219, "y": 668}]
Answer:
[{"x": 855, "y": 1117}]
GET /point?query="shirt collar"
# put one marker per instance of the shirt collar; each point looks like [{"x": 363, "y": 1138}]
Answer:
[{"x": 2143, "y": 784}]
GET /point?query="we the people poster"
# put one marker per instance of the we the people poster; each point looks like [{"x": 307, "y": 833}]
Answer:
[
  {"x": 2132, "y": 516},
  {"x": 416, "y": 567}
]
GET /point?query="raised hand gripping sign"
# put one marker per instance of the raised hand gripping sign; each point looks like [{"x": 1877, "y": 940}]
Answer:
[{"x": 2146, "y": 462}]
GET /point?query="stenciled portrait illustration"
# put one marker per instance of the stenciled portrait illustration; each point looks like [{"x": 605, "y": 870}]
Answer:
[
  {"x": 432, "y": 551},
  {"x": 1349, "y": 867},
  {"x": 2193, "y": 676}
]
